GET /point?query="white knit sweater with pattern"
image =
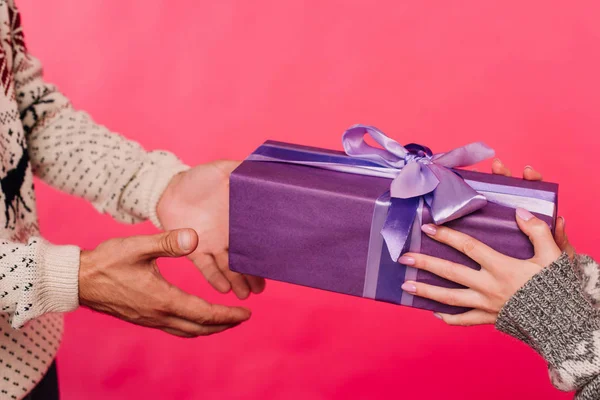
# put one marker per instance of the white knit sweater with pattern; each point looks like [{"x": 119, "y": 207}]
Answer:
[{"x": 41, "y": 134}]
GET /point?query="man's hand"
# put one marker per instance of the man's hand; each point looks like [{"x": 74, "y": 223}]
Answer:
[
  {"x": 199, "y": 198},
  {"x": 120, "y": 278}
]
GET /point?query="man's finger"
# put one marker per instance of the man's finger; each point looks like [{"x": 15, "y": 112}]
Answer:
[
  {"x": 194, "y": 309},
  {"x": 218, "y": 314},
  {"x": 546, "y": 250},
  {"x": 473, "y": 248},
  {"x": 175, "y": 243},
  {"x": 530, "y": 174},
  {"x": 227, "y": 166},
  {"x": 176, "y": 332},
  {"x": 498, "y": 168},
  {"x": 452, "y": 297},
  {"x": 561, "y": 239},
  {"x": 191, "y": 329},
  {"x": 257, "y": 284},
  {"x": 211, "y": 272},
  {"x": 239, "y": 284},
  {"x": 448, "y": 270},
  {"x": 469, "y": 318}
]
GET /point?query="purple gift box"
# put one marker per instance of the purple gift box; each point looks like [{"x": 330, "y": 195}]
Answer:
[{"x": 338, "y": 221}]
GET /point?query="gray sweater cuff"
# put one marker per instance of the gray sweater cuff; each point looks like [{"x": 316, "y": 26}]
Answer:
[
  {"x": 554, "y": 316},
  {"x": 551, "y": 312},
  {"x": 590, "y": 392}
]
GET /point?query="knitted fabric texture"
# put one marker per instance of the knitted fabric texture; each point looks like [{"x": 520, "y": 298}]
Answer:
[
  {"x": 41, "y": 134},
  {"x": 556, "y": 314}
]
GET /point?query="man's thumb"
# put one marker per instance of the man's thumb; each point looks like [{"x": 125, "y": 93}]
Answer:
[{"x": 175, "y": 243}]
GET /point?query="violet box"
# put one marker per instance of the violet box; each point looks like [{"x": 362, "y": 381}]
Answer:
[{"x": 310, "y": 226}]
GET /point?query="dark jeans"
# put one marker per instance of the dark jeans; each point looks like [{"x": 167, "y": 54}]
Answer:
[{"x": 47, "y": 389}]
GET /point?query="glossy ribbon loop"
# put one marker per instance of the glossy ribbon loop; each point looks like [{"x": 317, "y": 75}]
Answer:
[{"x": 420, "y": 173}]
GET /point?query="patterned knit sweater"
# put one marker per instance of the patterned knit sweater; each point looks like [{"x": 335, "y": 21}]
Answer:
[
  {"x": 557, "y": 313},
  {"x": 41, "y": 134}
]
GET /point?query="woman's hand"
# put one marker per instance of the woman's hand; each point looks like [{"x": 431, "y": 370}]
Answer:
[
  {"x": 120, "y": 278},
  {"x": 488, "y": 289}
]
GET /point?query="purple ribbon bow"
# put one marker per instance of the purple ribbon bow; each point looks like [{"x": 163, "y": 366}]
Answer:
[
  {"x": 420, "y": 174},
  {"x": 415, "y": 171}
]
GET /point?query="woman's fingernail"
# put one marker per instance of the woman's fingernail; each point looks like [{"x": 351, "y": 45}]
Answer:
[
  {"x": 438, "y": 316},
  {"x": 497, "y": 160},
  {"x": 185, "y": 240},
  {"x": 524, "y": 214},
  {"x": 563, "y": 220},
  {"x": 429, "y": 229},
  {"x": 529, "y": 167},
  {"x": 409, "y": 287},
  {"x": 406, "y": 260}
]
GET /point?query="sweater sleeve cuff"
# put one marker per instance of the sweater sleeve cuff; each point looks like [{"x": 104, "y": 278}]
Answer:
[
  {"x": 551, "y": 313},
  {"x": 60, "y": 278}
]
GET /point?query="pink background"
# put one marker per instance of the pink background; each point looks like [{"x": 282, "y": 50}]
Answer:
[{"x": 213, "y": 79}]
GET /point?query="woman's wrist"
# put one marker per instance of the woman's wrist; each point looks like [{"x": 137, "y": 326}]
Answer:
[{"x": 550, "y": 308}]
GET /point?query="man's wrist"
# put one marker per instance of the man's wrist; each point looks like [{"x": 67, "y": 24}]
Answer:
[
  {"x": 163, "y": 192},
  {"x": 167, "y": 196},
  {"x": 86, "y": 266}
]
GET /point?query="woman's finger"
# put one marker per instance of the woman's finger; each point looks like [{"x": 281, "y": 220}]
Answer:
[
  {"x": 530, "y": 174},
  {"x": 561, "y": 239},
  {"x": 469, "y": 318},
  {"x": 473, "y": 248},
  {"x": 546, "y": 250},
  {"x": 446, "y": 269},
  {"x": 498, "y": 168},
  {"x": 452, "y": 297}
]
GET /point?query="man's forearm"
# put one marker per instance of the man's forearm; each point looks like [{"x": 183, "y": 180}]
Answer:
[{"x": 69, "y": 151}]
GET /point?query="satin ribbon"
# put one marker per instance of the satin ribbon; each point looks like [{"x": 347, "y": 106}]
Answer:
[
  {"x": 415, "y": 172},
  {"x": 420, "y": 173}
]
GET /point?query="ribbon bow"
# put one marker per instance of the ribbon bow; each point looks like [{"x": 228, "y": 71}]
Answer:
[{"x": 419, "y": 174}]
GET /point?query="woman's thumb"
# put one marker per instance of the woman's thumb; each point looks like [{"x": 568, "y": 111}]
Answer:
[
  {"x": 546, "y": 250},
  {"x": 560, "y": 236}
]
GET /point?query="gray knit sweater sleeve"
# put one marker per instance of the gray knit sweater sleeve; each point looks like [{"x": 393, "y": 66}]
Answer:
[{"x": 555, "y": 313}]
